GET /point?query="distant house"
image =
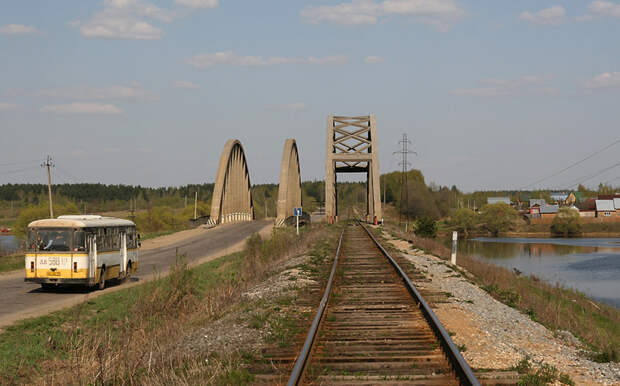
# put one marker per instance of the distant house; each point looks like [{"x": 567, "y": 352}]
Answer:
[
  {"x": 605, "y": 208},
  {"x": 617, "y": 204},
  {"x": 495, "y": 200},
  {"x": 534, "y": 211},
  {"x": 537, "y": 201},
  {"x": 559, "y": 197},
  {"x": 549, "y": 211}
]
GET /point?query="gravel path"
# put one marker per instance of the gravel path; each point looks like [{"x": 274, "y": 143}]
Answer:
[{"x": 497, "y": 336}]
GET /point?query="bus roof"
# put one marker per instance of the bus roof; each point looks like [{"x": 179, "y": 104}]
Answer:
[{"x": 81, "y": 221}]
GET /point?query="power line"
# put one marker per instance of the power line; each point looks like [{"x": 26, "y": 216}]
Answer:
[
  {"x": 19, "y": 163},
  {"x": 66, "y": 174},
  {"x": 18, "y": 170},
  {"x": 583, "y": 179},
  {"x": 572, "y": 165}
]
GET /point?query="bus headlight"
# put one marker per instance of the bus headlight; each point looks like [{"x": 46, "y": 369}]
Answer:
[{"x": 75, "y": 266}]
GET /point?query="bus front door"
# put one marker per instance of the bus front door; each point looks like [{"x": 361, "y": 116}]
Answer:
[
  {"x": 123, "y": 267},
  {"x": 92, "y": 258}
]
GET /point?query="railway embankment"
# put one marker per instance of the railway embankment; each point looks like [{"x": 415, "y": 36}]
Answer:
[
  {"x": 511, "y": 333},
  {"x": 139, "y": 335}
]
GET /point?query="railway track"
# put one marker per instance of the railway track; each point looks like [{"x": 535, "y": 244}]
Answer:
[{"x": 374, "y": 327}]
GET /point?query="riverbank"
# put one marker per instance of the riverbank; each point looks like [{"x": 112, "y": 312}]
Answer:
[
  {"x": 597, "y": 325},
  {"x": 493, "y": 335},
  {"x": 541, "y": 235}
]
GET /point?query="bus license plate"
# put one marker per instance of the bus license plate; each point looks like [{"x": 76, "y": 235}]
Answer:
[{"x": 53, "y": 273}]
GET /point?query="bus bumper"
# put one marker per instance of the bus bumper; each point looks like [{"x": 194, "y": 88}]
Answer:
[{"x": 39, "y": 280}]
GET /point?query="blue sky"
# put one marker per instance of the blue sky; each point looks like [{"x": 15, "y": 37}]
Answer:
[{"x": 494, "y": 94}]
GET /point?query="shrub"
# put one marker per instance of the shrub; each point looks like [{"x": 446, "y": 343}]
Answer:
[
  {"x": 464, "y": 219},
  {"x": 426, "y": 227},
  {"x": 566, "y": 222},
  {"x": 498, "y": 217},
  {"x": 27, "y": 215}
]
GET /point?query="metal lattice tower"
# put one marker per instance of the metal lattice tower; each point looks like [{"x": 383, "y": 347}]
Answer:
[
  {"x": 352, "y": 147},
  {"x": 404, "y": 164}
]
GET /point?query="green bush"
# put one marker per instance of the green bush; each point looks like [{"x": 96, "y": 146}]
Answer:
[
  {"x": 464, "y": 219},
  {"x": 426, "y": 227},
  {"x": 32, "y": 213},
  {"x": 498, "y": 217},
  {"x": 566, "y": 222}
]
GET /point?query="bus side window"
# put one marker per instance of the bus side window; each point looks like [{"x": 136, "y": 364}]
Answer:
[{"x": 79, "y": 241}]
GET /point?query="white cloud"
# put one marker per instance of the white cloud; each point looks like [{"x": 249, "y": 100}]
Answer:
[
  {"x": 441, "y": 14},
  {"x": 503, "y": 87},
  {"x": 18, "y": 29},
  {"x": 197, "y": 3},
  {"x": 82, "y": 108},
  {"x": 373, "y": 59},
  {"x": 132, "y": 19},
  {"x": 8, "y": 106},
  {"x": 601, "y": 9},
  {"x": 185, "y": 84},
  {"x": 605, "y": 80},
  {"x": 120, "y": 28},
  {"x": 229, "y": 58},
  {"x": 131, "y": 91},
  {"x": 550, "y": 16}
]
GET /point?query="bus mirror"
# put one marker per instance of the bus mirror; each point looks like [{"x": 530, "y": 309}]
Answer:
[{"x": 139, "y": 240}]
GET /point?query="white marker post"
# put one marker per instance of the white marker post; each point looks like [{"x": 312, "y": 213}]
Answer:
[
  {"x": 297, "y": 212},
  {"x": 455, "y": 236}
]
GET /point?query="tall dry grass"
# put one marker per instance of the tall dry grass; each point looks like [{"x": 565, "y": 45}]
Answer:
[
  {"x": 142, "y": 347},
  {"x": 554, "y": 305}
]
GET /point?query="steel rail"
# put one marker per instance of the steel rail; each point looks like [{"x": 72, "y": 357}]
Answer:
[
  {"x": 465, "y": 374},
  {"x": 302, "y": 359}
]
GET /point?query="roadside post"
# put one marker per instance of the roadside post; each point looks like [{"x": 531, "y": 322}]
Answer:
[
  {"x": 455, "y": 236},
  {"x": 297, "y": 213}
]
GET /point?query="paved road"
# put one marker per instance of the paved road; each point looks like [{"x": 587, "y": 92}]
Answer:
[{"x": 20, "y": 299}]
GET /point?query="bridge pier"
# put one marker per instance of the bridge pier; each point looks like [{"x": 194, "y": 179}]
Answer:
[
  {"x": 352, "y": 147},
  {"x": 232, "y": 196}
]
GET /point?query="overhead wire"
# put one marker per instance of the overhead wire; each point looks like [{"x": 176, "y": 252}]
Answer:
[
  {"x": 572, "y": 165},
  {"x": 18, "y": 163},
  {"x": 19, "y": 170},
  {"x": 66, "y": 174},
  {"x": 583, "y": 179}
]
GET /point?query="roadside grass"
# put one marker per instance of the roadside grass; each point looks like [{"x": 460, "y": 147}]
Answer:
[
  {"x": 128, "y": 336},
  {"x": 555, "y": 306},
  {"x": 11, "y": 262}
]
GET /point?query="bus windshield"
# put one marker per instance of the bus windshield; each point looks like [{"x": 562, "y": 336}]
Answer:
[{"x": 53, "y": 240}]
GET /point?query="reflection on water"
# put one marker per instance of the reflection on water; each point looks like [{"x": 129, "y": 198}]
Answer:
[{"x": 589, "y": 265}]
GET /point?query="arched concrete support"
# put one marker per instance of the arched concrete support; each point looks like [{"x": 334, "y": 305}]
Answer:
[
  {"x": 232, "y": 197},
  {"x": 289, "y": 191}
]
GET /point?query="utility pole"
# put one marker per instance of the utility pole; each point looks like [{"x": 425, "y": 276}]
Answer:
[
  {"x": 47, "y": 164},
  {"x": 185, "y": 206},
  {"x": 195, "y": 205},
  {"x": 404, "y": 191}
]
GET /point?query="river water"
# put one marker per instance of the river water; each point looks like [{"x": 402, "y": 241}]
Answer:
[
  {"x": 8, "y": 243},
  {"x": 590, "y": 265}
]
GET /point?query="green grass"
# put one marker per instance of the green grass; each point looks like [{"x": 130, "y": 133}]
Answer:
[
  {"x": 11, "y": 263},
  {"x": 24, "y": 345}
]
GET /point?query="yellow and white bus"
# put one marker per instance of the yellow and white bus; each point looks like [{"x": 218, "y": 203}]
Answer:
[{"x": 81, "y": 249}]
